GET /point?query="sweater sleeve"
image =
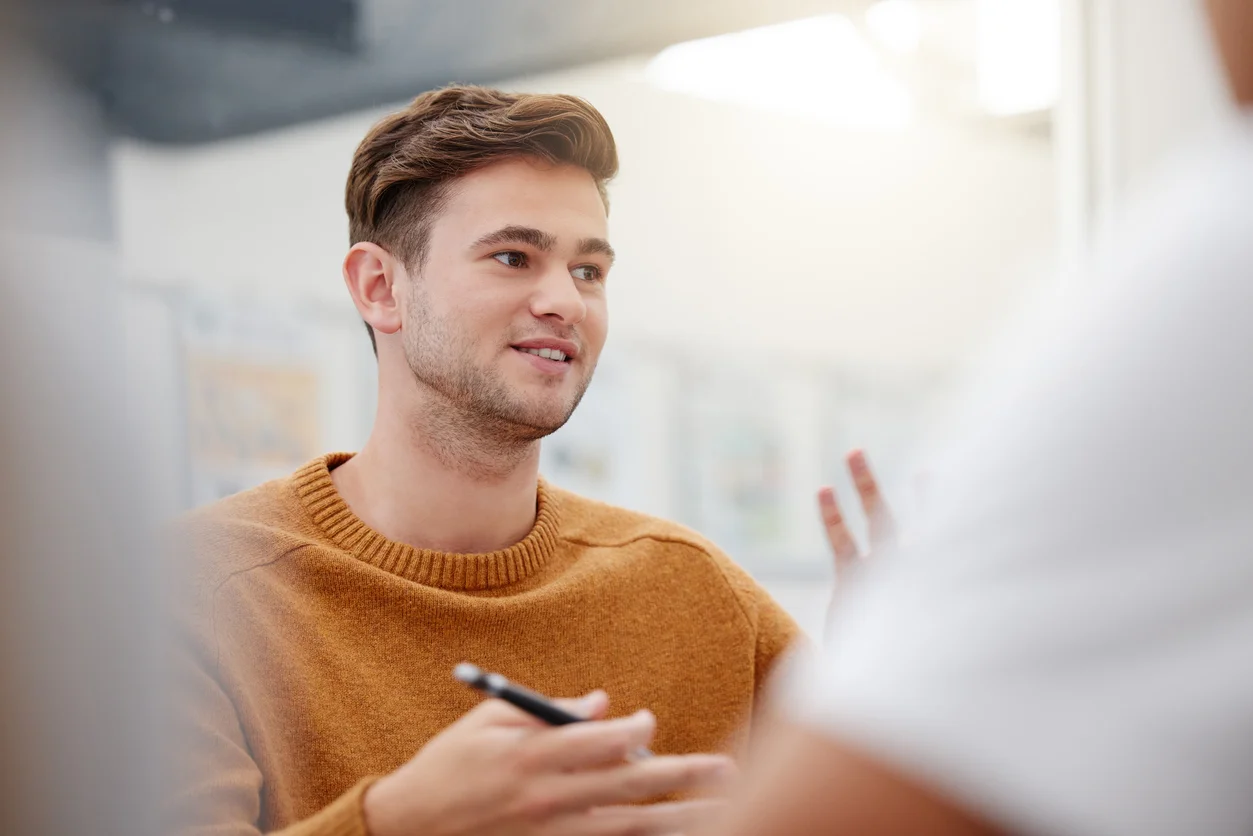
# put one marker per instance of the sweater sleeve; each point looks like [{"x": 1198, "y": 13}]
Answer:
[
  {"x": 775, "y": 633},
  {"x": 213, "y": 784}
]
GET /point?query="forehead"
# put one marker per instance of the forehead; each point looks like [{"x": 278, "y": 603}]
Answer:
[{"x": 562, "y": 200}]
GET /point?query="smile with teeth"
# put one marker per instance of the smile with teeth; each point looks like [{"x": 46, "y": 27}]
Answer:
[{"x": 546, "y": 353}]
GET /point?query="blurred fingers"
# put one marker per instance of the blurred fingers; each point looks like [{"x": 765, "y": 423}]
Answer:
[
  {"x": 646, "y": 779},
  {"x": 842, "y": 544},
  {"x": 882, "y": 524},
  {"x": 589, "y": 745}
]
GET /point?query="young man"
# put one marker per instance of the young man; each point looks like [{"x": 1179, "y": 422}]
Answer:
[
  {"x": 329, "y": 608},
  {"x": 1068, "y": 649}
]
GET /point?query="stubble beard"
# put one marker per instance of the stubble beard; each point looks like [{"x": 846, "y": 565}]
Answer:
[{"x": 474, "y": 423}]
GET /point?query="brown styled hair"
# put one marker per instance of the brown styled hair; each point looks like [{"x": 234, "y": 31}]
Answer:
[{"x": 402, "y": 169}]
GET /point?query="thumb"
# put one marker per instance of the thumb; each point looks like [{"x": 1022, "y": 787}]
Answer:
[{"x": 591, "y": 706}]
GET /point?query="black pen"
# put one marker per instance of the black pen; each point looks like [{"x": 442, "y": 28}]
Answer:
[{"x": 537, "y": 705}]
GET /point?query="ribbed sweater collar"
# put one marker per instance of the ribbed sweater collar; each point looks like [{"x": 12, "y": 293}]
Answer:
[{"x": 431, "y": 568}]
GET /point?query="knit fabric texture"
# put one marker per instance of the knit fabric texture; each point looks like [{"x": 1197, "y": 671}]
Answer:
[{"x": 315, "y": 653}]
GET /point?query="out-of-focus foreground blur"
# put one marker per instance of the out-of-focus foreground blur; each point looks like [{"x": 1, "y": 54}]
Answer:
[{"x": 824, "y": 210}]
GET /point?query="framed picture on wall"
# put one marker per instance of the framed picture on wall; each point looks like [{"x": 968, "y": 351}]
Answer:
[
  {"x": 734, "y": 459},
  {"x": 251, "y": 394}
]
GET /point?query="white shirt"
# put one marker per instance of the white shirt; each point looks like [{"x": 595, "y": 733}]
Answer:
[{"x": 1067, "y": 646}]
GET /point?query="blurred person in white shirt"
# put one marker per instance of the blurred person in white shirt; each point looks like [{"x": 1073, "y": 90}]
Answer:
[
  {"x": 1067, "y": 645},
  {"x": 79, "y": 586}
]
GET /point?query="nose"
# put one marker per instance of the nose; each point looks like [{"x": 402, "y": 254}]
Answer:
[{"x": 556, "y": 296}]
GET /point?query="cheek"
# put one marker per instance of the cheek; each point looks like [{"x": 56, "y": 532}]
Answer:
[
  {"x": 596, "y": 324},
  {"x": 485, "y": 322}
]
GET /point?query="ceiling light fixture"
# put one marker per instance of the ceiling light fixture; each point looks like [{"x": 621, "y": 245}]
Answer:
[
  {"x": 1018, "y": 60},
  {"x": 818, "y": 68},
  {"x": 897, "y": 24}
]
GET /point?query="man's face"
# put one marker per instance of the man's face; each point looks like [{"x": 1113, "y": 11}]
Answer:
[{"x": 506, "y": 317}]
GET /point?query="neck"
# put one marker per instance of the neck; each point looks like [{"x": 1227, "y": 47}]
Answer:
[{"x": 427, "y": 482}]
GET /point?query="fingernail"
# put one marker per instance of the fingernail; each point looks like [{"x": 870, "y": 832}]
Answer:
[
  {"x": 589, "y": 703},
  {"x": 720, "y": 767}
]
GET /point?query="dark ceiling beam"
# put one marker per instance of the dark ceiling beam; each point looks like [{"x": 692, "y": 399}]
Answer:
[{"x": 191, "y": 71}]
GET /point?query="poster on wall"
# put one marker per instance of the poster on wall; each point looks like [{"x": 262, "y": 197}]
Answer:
[
  {"x": 735, "y": 461},
  {"x": 586, "y": 455},
  {"x": 252, "y": 395},
  {"x": 619, "y": 445}
]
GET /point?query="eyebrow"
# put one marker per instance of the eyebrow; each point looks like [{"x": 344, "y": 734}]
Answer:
[
  {"x": 513, "y": 234},
  {"x": 541, "y": 240},
  {"x": 590, "y": 246}
]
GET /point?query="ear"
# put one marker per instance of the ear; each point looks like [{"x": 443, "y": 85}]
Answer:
[{"x": 371, "y": 274}]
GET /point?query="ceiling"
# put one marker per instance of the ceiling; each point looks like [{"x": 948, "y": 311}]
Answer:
[{"x": 192, "y": 71}]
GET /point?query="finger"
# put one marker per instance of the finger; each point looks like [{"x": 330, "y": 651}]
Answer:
[
  {"x": 591, "y": 706},
  {"x": 882, "y": 525},
  {"x": 670, "y": 819},
  {"x": 643, "y": 780},
  {"x": 842, "y": 543},
  {"x": 588, "y": 745}
]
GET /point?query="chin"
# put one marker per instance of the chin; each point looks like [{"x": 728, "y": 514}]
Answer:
[
  {"x": 544, "y": 421},
  {"x": 544, "y": 409},
  {"x": 549, "y": 424}
]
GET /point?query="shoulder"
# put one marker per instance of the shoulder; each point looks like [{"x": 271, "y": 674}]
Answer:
[
  {"x": 241, "y": 532},
  {"x": 590, "y": 522},
  {"x": 1187, "y": 227},
  {"x": 595, "y": 524}
]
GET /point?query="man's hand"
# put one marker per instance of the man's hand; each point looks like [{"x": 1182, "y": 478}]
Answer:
[
  {"x": 498, "y": 770},
  {"x": 882, "y": 524},
  {"x": 880, "y": 519}
]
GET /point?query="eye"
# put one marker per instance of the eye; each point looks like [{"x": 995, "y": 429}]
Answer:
[
  {"x": 587, "y": 272},
  {"x": 511, "y": 258}
]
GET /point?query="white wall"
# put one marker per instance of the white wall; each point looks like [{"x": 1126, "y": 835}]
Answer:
[
  {"x": 1142, "y": 83},
  {"x": 736, "y": 230},
  {"x": 1168, "y": 91}
]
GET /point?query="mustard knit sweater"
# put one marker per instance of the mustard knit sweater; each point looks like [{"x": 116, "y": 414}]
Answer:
[{"x": 315, "y": 653}]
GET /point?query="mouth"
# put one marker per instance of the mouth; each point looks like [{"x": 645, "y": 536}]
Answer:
[
  {"x": 552, "y": 363},
  {"x": 553, "y": 354}
]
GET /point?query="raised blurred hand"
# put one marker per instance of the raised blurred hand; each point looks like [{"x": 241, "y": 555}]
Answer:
[{"x": 882, "y": 524}]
